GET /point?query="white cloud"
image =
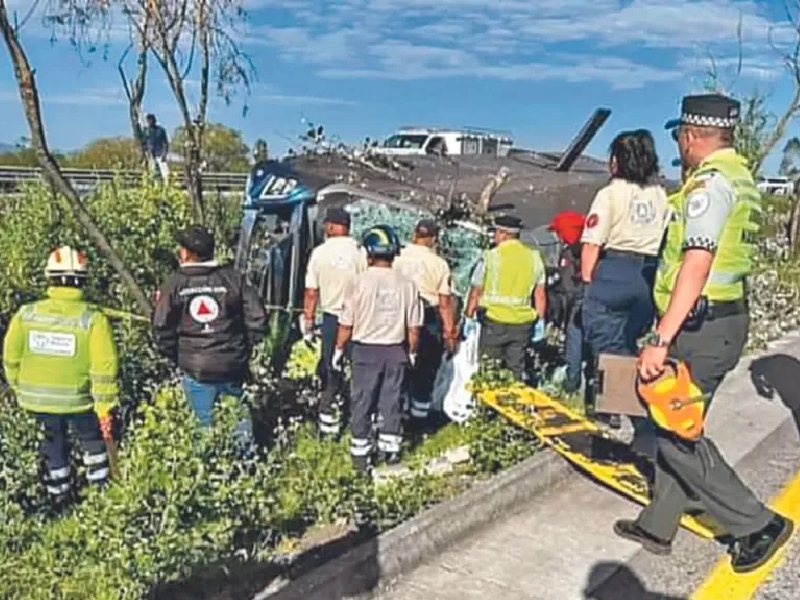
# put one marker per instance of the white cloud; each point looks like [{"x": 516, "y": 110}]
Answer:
[
  {"x": 88, "y": 97},
  {"x": 624, "y": 43}
]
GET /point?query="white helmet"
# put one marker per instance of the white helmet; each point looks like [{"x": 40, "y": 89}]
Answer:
[{"x": 66, "y": 261}]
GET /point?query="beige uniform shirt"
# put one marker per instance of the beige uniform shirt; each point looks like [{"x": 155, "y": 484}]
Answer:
[
  {"x": 626, "y": 216},
  {"x": 427, "y": 270},
  {"x": 380, "y": 305},
  {"x": 330, "y": 269}
]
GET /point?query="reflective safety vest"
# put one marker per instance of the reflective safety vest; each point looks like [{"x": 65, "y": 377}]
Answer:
[
  {"x": 733, "y": 259},
  {"x": 60, "y": 356},
  {"x": 509, "y": 276}
]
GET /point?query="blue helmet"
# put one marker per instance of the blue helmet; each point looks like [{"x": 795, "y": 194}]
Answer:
[{"x": 381, "y": 240}]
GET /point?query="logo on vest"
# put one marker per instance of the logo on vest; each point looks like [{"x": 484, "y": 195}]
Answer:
[
  {"x": 642, "y": 212},
  {"x": 204, "y": 309},
  {"x": 592, "y": 221},
  {"x": 52, "y": 344}
]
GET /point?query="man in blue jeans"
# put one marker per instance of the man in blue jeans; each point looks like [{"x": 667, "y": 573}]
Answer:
[{"x": 207, "y": 320}]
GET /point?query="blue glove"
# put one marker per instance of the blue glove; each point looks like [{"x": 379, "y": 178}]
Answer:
[
  {"x": 468, "y": 326},
  {"x": 538, "y": 331}
]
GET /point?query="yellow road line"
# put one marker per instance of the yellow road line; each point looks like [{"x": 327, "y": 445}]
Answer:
[{"x": 723, "y": 584}]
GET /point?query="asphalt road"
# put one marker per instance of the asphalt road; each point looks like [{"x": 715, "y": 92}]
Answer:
[{"x": 767, "y": 469}]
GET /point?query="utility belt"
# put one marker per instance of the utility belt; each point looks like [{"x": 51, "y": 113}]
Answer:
[
  {"x": 627, "y": 254},
  {"x": 709, "y": 310}
]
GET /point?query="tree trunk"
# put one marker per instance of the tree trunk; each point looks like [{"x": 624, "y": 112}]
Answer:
[
  {"x": 194, "y": 178},
  {"x": 134, "y": 90},
  {"x": 30, "y": 101},
  {"x": 794, "y": 228}
]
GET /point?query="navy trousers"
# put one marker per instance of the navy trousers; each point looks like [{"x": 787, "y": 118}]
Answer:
[{"x": 618, "y": 309}]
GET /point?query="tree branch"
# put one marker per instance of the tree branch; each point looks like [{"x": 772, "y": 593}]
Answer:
[{"x": 30, "y": 102}]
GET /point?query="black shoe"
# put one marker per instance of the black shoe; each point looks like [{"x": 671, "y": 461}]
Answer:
[
  {"x": 755, "y": 550},
  {"x": 631, "y": 531}
]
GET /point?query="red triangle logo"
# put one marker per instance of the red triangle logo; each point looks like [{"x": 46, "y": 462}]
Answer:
[{"x": 203, "y": 309}]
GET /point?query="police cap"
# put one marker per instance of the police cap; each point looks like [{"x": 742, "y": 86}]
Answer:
[
  {"x": 708, "y": 110},
  {"x": 198, "y": 240},
  {"x": 508, "y": 223},
  {"x": 426, "y": 228},
  {"x": 339, "y": 216}
]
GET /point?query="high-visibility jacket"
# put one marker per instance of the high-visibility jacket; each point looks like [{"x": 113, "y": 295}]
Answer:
[
  {"x": 60, "y": 356},
  {"x": 511, "y": 271},
  {"x": 733, "y": 259}
]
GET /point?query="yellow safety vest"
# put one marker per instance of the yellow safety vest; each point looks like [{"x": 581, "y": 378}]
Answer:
[
  {"x": 60, "y": 356},
  {"x": 733, "y": 259},
  {"x": 510, "y": 273}
]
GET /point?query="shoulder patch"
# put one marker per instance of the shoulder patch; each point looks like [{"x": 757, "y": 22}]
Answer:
[
  {"x": 697, "y": 183},
  {"x": 697, "y": 204},
  {"x": 592, "y": 221}
]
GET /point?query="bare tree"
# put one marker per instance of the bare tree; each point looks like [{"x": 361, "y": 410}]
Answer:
[
  {"x": 760, "y": 130},
  {"x": 29, "y": 95},
  {"x": 187, "y": 39}
]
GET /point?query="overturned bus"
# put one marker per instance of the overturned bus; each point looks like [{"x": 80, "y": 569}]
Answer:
[{"x": 285, "y": 202}]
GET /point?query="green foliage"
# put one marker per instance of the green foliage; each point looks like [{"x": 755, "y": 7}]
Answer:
[
  {"x": 107, "y": 153},
  {"x": 223, "y": 148}
]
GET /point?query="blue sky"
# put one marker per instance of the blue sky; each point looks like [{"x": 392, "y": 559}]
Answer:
[{"x": 363, "y": 67}]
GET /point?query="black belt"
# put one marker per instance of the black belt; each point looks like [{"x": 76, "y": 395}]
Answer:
[
  {"x": 612, "y": 253},
  {"x": 730, "y": 308}
]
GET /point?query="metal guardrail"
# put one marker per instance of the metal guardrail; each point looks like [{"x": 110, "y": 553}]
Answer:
[{"x": 12, "y": 177}]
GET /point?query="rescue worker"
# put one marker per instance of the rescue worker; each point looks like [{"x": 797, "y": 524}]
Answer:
[
  {"x": 621, "y": 241},
  {"x": 700, "y": 294},
  {"x": 331, "y": 268},
  {"x": 508, "y": 284},
  {"x": 208, "y": 319},
  {"x": 382, "y": 315},
  {"x": 60, "y": 359},
  {"x": 431, "y": 274}
]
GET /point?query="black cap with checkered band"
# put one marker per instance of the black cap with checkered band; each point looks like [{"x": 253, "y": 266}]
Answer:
[{"x": 707, "y": 110}]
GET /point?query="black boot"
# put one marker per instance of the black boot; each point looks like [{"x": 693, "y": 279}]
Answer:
[
  {"x": 630, "y": 530},
  {"x": 755, "y": 550}
]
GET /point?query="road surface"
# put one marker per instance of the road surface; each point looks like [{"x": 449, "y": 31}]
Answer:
[{"x": 560, "y": 546}]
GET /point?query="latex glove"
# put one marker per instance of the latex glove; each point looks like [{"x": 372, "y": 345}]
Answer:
[
  {"x": 412, "y": 358},
  {"x": 336, "y": 361},
  {"x": 538, "y": 331},
  {"x": 468, "y": 326},
  {"x": 103, "y": 409}
]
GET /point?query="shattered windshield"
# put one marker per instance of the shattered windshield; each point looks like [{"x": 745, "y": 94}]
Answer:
[{"x": 406, "y": 141}]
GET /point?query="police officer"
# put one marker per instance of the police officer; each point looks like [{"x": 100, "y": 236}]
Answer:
[
  {"x": 431, "y": 274},
  {"x": 568, "y": 227},
  {"x": 621, "y": 240},
  {"x": 60, "y": 359},
  {"x": 208, "y": 319},
  {"x": 700, "y": 293},
  {"x": 506, "y": 281},
  {"x": 331, "y": 268},
  {"x": 382, "y": 315}
]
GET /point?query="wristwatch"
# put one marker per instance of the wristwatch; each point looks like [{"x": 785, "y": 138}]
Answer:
[{"x": 654, "y": 339}]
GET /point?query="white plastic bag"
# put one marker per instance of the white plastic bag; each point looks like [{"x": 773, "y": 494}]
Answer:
[{"x": 458, "y": 402}]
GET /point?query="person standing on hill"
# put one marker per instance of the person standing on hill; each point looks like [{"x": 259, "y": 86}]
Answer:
[
  {"x": 208, "y": 319},
  {"x": 60, "y": 358},
  {"x": 157, "y": 146}
]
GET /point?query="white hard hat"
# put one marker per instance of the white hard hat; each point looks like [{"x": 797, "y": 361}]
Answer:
[{"x": 66, "y": 261}]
